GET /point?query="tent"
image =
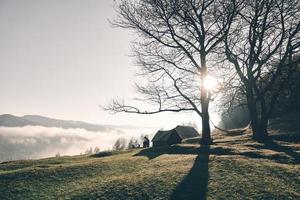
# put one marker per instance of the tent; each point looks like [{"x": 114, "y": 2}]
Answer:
[{"x": 174, "y": 136}]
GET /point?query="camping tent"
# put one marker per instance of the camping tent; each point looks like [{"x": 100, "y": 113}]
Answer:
[{"x": 174, "y": 136}]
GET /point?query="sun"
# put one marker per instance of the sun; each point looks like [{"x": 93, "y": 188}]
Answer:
[{"x": 210, "y": 83}]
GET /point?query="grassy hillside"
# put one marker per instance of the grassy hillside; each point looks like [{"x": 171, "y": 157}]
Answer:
[{"x": 234, "y": 168}]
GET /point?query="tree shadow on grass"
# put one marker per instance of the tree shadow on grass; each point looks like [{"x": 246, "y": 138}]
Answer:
[
  {"x": 272, "y": 145},
  {"x": 285, "y": 154},
  {"x": 152, "y": 153},
  {"x": 194, "y": 185},
  {"x": 291, "y": 137},
  {"x": 275, "y": 146}
]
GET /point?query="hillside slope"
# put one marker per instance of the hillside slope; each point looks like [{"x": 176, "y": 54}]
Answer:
[
  {"x": 8, "y": 120},
  {"x": 13, "y": 121},
  {"x": 234, "y": 168}
]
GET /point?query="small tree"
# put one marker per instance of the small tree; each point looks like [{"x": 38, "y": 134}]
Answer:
[
  {"x": 89, "y": 151},
  {"x": 133, "y": 142},
  {"x": 96, "y": 150},
  {"x": 120, "y": 144}
]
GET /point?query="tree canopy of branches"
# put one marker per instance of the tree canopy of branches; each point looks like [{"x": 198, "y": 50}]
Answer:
[
  {"x": 261, "y": 45},
  {"x": 175, "y": 46}
]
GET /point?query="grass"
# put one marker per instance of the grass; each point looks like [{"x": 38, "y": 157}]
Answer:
[{"x": 235, "y": 167}]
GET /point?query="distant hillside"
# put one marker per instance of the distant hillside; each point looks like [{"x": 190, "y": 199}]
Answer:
[
  {"x": 14, "y": 121},
  {"x": 8, "y": 120}
]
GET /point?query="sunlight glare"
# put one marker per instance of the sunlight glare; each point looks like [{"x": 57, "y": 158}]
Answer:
[{"x": 210, "y": 83}]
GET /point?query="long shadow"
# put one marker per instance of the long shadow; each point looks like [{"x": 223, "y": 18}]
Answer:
[
  {"x": 194, "y": 185},
  {"x": 270, "y": 144},
  {"x": 292, "y": 138},
  {"x": 274, "y": 146},
  {"x": 289, "y": 156},
  {"x": 152, "y": 153}
]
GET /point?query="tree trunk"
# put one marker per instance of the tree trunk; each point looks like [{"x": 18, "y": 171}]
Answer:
[
  {"x": 258, "y": 123},
  {"x": 205, "y": 98},
  {"x": 206, "y": 137},
  {"x": 263, "y": 120},
  {"x": 260, "y": 132}
]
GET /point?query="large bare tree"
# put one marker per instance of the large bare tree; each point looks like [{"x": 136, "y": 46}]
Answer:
[
  {"x": 176, "y": 43},
  {"x": 261, "y": 44}
]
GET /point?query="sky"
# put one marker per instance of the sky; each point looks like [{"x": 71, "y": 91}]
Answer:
[{"x": 63, "y": 59}]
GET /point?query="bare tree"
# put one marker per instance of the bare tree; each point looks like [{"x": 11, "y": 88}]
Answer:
[
  {"x": 120, "y": 144},
  {"x": 133, "y": 143},
  {"x": 96, "y": 149},
  {"x": 175, "y": 47},
  {"x": 89, "y": 151},
  {"x": 260, "y": 45}
]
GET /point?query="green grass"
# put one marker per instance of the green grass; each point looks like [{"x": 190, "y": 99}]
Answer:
[{"x": 234, "y": 168}]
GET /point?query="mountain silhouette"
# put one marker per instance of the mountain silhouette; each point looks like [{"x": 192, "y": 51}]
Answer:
[{"x": 8, "y": 120}]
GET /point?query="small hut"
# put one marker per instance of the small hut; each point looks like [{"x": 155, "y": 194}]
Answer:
[{"x": 174, "y": 136}]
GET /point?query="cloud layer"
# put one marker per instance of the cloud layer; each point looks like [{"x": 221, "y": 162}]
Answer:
[{"x": 31, "y": 142}]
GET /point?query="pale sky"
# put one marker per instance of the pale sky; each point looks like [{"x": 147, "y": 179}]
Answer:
[{"x": 62, "y": 59}]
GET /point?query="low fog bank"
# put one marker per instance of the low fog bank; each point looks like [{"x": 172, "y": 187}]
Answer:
[{"x": 33, "y": 142}]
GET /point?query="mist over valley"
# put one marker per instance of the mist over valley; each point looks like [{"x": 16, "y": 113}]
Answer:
[{"x": 33, "y": 136}]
